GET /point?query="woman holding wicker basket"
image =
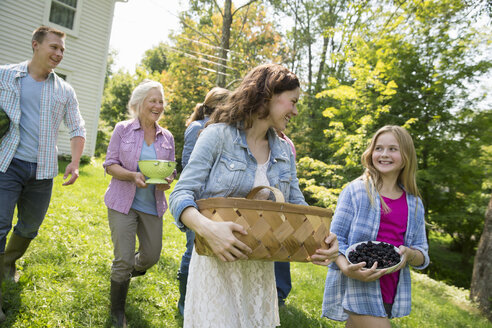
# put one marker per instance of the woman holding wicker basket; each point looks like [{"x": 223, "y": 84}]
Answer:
[{"x": 238, "y": 150}]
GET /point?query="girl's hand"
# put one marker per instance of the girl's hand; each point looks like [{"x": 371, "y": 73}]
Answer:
[
  {"x": 410, "y": 256},
  {"x": 325, "y": 256},
  {"x": 356, "y": 271},
  {"x": 224, "y": 244},
  {"x": 404, "y": 253},
  {"x": 139, "y": 180}
]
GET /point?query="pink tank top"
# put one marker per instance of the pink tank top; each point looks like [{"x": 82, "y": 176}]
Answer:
[{"x": 392, "y": 230}]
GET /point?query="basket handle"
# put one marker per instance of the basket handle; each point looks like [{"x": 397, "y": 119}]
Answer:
[{"x": 279, "y": 197}]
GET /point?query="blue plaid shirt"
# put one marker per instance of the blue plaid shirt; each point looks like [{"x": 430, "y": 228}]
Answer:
[
  {"x": 357, "y": 220},
  {"x": 58, "y": 102}
]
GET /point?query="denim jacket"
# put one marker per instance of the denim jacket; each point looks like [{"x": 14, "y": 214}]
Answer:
[
  {"x": 221, "y": 165},
  {"x": 190, "y": 136}
]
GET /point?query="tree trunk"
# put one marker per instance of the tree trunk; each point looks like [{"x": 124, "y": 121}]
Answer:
[
  {"x": 324, "y": 49},
  {"x": 481, "y": 284},
  {"x": 310, "y": 55},
  {"x": 224, "y": 44}
]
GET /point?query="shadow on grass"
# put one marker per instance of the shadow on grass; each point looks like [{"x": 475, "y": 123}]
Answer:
[
  {"x": 292, "y": 317},
  {"x": 446, "y": 265},
  {"x": 11, "y": 302},
  {"x": 158, "y": 290}
]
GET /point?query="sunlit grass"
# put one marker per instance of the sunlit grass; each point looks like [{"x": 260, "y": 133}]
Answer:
[{"x": 65, "y": 275}]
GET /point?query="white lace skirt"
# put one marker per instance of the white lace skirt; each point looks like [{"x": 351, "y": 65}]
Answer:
[{"x": 238, "y": 294}]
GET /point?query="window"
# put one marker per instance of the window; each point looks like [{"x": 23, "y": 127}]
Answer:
[
  {"x": 63, "y": 12},
  {"x": 64, "y": 15}
]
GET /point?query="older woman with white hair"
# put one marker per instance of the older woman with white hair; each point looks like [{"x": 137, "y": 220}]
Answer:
[{"x": 135, "y": 208}]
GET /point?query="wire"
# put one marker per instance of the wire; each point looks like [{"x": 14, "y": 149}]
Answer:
[
  {"x": 211, "y": 70},
  {"x": 198, "y": 58},
  {"x": 209, "y": 45}
]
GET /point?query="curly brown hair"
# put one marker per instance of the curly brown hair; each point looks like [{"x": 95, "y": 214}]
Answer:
[{"x": 254, "y": 94}]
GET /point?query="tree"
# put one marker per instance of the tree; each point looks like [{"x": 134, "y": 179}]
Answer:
[
  {"x": 481, "y": 289},
  {"x": 116, "y": 94},
  {"x": 412, "y": 66},
  {"x": 194, "y": 53},
  {"x": 109, "y": 65},
  {"x": 324, "y": 30},
  {"x": 438, "y": 56},
  {"x": 208, "y": 12},
  {"x": 155, "y": 59}
]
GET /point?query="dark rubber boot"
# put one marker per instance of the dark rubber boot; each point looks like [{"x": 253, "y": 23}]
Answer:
[
  {"x": 16, "y": 247},
  {"x": 183, "y": 280},
  {"x": 136, "y": 273},
  {"x": 119, "y": 290},
  {"x": 2, "y": 315}
]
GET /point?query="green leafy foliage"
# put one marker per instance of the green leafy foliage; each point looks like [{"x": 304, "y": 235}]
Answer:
[
  {"x": 193, "y": 55},
  {"x": 412, "y": 65},
  {"x": 362, "y": 64},
  {"x": 326, "y": 192},
  {"x": 155, "y": 59}
]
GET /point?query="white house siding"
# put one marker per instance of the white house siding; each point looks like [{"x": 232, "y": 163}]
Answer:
[{"x": 85, "y": 57}]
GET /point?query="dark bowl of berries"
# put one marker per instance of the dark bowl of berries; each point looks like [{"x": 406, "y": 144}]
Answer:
[{"x": 370, "y": 252}]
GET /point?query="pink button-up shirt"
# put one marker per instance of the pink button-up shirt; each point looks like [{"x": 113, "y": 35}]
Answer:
[{"x": 124, "y": 149}]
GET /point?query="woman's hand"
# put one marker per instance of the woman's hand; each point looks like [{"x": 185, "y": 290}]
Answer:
[
  {"x": 325, "y": 256},
  {"x": 219, "y": 235},
  {"x": 165, "y": 186},
  {"x": 162, "y": 186},
  {"x": 139, "y": 180},
  {"x": 357, "y": 271},
  {"x": 224, "y": 244}
]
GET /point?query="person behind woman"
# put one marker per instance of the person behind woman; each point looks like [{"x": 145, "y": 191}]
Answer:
[
  {"x": 197, "y": 120},
  {"x": 282, "y": 269},
  {"x": 383, "y": 204},
  {"x": 238, "y": 150},
  {"x": 195, "y": 124},
  {"x": 134, "y": 207}
]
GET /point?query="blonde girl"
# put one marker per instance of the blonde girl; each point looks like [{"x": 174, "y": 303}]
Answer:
[{"x": 383, "y": 204}]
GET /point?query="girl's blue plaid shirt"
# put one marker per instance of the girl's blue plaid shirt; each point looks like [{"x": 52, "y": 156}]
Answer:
[{"x": 355, "y": 220}]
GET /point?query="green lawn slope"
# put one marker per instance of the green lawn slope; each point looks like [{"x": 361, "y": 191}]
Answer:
[{"x": 65, "y": 275}]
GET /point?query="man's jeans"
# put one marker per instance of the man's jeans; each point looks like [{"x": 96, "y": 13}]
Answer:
[
  {"x": 283, "y": 280},
  {"x": 18, "y": 186},
  {"x": 185, "y": 260}
]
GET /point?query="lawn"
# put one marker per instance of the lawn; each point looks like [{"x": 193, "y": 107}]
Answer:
[
  {"x": 65, "y": 275},
  {"x": 444, "y": 262}
]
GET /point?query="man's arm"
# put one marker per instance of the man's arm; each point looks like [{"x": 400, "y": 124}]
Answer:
[{"x": 77, "y": 147}]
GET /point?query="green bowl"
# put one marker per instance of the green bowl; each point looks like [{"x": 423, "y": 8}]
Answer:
[{"x": 156, "y": 169}]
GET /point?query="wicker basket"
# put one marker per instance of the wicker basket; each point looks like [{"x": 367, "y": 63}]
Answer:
[{"x": 277, "y": 231}]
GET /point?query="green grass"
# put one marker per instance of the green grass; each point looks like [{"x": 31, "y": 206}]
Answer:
[
  {"x": 446, "y": 265},
  {"x": 65, "y": 275}
]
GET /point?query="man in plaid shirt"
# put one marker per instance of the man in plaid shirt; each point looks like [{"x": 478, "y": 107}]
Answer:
[{"x": 36, "y": 101}]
